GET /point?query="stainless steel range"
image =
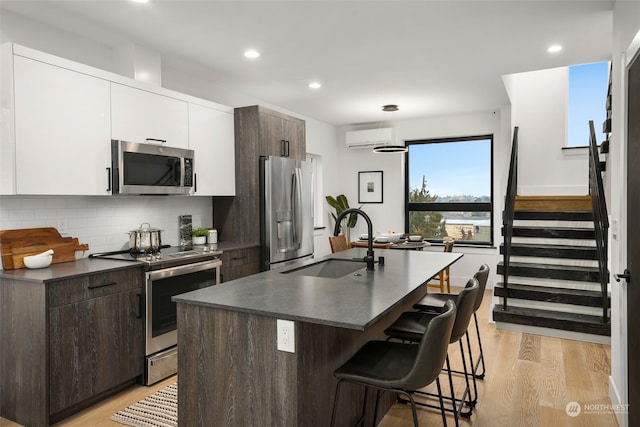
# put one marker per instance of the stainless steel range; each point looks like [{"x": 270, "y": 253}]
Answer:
[{"x": 171, "y": 271}]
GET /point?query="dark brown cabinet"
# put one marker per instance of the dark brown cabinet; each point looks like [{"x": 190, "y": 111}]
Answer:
[
  {"x": 259, "y": 132},
  {"x": 239, "y": 263},
  {"x": 75, "y": 341},
  {"x": 281, "y": 135}
]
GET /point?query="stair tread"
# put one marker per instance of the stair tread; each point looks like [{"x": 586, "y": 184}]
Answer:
[
  {"x": 550, "y": 290},
  {"x": 555, "y": 227},
  {"x": 551, "y": 266},
  {"x": 575, "y": 322},
  {"x": 560, "y": 315},
  {"x": 548, "y": 246}
]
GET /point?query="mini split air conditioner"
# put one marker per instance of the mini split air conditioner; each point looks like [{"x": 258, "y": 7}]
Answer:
[{"x": 369, "y": 138}]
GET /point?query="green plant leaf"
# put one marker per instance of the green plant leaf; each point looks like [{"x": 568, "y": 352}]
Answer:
[
  {"x": 340, "y": 204},
  {"x": 343, "y": 202}
]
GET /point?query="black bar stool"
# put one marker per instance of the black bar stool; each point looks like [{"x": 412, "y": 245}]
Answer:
[
  {"x": 434, "y": 302},
  {"x": 411, "y": 325},
  {"x": 400, "y": 367}
]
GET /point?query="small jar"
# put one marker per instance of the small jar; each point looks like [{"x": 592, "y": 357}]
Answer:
[{"x": 213, "y": 236}]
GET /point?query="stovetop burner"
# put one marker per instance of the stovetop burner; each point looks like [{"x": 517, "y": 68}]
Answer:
[{"x": 166, "y": 257}]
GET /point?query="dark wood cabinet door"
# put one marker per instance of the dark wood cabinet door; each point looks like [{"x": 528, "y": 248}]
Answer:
[
  {"x": 240, "y": 263},
  {"x": 272, "y": 136},
  {"x": 294, "y": 131},
  {"x": 94, "y": 345}
]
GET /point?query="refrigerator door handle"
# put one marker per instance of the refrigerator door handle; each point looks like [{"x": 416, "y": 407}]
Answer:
[{"x": 296, "y": 201}]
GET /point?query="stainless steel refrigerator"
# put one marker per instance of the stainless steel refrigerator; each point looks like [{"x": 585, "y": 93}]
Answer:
[{"x": 286, "y": 221}]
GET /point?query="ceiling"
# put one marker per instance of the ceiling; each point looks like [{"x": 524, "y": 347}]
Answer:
[{"x": 429, "y": 57}]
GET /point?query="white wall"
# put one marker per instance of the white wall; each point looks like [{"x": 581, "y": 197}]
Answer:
[
  {"x": 389, "y": 215},
  {"x": 626, "y": 25},
  {"x": 103, "y": 221},
  {"x": 539, "y": 108}
]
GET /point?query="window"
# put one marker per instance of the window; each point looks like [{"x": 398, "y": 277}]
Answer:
[
  {"x": 449, "y": 189},
  {"x": 588, "y": 85},
  {"x": 318, "y": 200}
]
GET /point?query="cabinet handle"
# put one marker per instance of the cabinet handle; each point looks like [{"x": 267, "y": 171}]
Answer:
[
  {"x": 108, "y": 179},
  {"x": 235, "y": 258},
  {"x": 195, "y": 182},
  {"x": 139, "y": 315},
  {"x": 288, "y": 152},
  {"x": 103, "y": 285},
  {"x": 283, "y": 152},
  {"x": 161, "y": 141}
]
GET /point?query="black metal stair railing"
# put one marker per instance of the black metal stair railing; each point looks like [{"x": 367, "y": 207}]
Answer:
[
  {"x": 600, "y": 218},
  {"x": 509, "y": 213}
]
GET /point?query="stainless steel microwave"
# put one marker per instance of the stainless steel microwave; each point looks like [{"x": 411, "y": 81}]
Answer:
[{"x": 150, "y": 169}]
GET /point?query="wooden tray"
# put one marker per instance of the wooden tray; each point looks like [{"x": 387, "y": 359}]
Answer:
[{"x": 17, "y": 244}]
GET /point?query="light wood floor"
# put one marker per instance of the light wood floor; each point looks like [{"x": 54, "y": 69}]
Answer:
[{"x": 529, "y": 381}]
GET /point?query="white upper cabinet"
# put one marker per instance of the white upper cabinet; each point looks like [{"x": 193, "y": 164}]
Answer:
[
  {"x": 145, "y": 117},
  {"x": 62, "y": 130},
  {"x": 211, "y": 136},
  {"x": 58, "y": 118}
]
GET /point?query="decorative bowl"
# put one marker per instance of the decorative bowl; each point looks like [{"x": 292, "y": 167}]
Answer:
[
  {"x": 38, "y": 261},
  {"x": 415, "y": 238},
  {"x": 391, "y": 238}
]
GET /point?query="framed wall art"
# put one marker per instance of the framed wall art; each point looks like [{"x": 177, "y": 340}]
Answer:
[{"x": 370, "y": 187}]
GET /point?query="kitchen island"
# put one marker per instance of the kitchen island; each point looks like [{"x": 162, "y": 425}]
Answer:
[{"x": 230, "y": 370}]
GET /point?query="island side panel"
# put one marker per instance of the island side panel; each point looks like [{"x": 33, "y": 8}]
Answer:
[
  {"x": 230, "y": 372},
  {"x": 322, "y": 349},
  {"x": 24, "y": 381}
]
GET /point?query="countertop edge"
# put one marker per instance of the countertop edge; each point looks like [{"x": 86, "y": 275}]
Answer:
[{"x": 68, "y": 270}]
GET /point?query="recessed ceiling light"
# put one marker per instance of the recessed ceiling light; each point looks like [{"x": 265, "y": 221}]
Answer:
[
  {"x": 315, "y": 85},
  {"x": 140, "y": 1},
  {"x": 251, "y": 53},
  {"x": 554, "y": 48}
]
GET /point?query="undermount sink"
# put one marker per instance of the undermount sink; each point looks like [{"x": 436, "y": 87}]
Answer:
[{"x": 330, "y": 268}]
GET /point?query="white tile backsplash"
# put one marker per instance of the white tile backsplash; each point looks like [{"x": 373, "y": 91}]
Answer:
[{"x": 104, "y": 222}]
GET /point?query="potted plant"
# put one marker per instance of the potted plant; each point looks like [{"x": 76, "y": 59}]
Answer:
[
  {"x": 340, "y": 204},
  {"x": 199, "y": 235}
]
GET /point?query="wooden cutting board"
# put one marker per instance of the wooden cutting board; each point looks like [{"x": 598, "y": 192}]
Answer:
[{"x": 16, "y": 244}]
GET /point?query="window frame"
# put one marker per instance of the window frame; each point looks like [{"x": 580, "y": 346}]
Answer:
[{"x": 449, "y": 206}]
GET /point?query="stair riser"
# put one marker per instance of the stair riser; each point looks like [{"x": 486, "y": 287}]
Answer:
[
  {"x": 553, "y": 215},
  {"x": 585, "y": 253},
  {"x": 526, "y": 223},
  {"x": 583, "y": 243},
  {"x": 582, "y": 276},
  {"x": 553, "y": 233}
]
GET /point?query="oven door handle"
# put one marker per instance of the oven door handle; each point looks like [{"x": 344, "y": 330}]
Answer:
[{"x": 184, "y": 269}]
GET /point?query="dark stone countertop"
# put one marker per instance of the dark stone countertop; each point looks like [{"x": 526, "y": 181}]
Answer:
[
  {"x": 68, "y": 270},
  {"x": 352, "y": 301}
]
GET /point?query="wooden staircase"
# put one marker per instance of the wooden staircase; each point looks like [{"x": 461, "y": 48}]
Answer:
[{"x": 553, "y": 278}]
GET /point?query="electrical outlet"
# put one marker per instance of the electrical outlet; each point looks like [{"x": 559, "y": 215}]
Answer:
[{"x": 286, "y": 335}]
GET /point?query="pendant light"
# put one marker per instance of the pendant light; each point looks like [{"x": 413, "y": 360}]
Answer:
[{"x": 390, "y": 148}]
